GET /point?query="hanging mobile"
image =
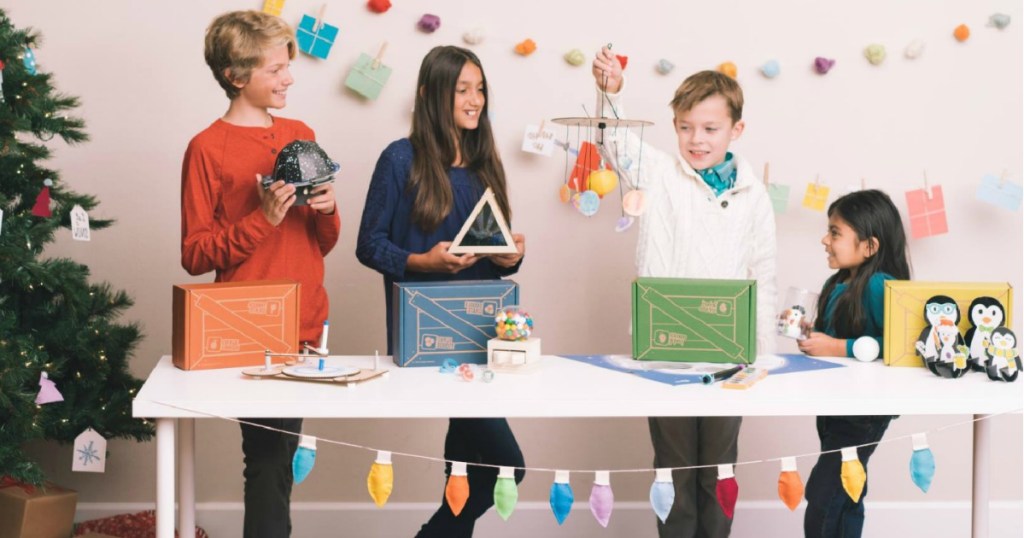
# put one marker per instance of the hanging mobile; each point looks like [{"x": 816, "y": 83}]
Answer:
[{"x": 595, "y": 175}]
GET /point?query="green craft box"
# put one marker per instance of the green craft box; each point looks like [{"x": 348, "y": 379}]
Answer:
[{"x": 694, "y": 320}]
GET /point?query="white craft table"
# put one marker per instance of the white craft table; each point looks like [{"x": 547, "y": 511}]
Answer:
[{"x": 558, "y": 388}]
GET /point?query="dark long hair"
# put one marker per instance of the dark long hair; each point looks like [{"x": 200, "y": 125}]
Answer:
[
  {"x": 871, "y": 214},
  {"x": 434, "y": 136}
]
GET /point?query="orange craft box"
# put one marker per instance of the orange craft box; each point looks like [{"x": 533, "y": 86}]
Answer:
[{"x": 232, "y": 324}]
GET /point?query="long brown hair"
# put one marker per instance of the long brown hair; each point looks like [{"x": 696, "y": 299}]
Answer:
[
  {"x": 871, "y": 214},
  {"x": 434, "y": 136}
]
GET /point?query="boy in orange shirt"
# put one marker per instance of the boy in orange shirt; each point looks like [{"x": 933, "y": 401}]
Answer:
[{"x": 231, "y": 225}]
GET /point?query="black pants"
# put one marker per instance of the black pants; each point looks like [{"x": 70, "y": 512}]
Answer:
[
  {"x": 830, "y": 511},
  {"x": 268, "y": 476},
  {"x": 474, "y": 440},
  {"x": 686, "y": 442}
]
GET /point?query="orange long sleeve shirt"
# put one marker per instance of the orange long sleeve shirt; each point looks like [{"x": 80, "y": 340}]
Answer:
[{"x": 223, "y": 228}]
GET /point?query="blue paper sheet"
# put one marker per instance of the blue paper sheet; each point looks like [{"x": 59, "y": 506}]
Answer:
[{"x": 682, "y": 373}]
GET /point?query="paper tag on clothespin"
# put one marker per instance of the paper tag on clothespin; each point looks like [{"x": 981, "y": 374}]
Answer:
[
  {"x": 79, "y": 224},
  {"x": 90, "y": 452},
  {"x": 539, "y": 140},
  {"x": 380, "y": 56}
]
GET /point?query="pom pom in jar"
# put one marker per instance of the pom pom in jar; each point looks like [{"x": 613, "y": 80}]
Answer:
[{"x": 513, "y": 323}]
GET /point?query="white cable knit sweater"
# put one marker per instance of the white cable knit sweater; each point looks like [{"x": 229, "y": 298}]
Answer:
[{"x": 687, "y": 232}]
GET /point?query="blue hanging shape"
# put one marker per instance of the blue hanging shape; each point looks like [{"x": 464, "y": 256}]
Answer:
[
  {"x": 561, "y": 496},
  {"x": 305, "y": 457},
  {"x": 922, "y": 463},
  {"x": 29, "y": 59},
  {"x": 663, "y": 493}
]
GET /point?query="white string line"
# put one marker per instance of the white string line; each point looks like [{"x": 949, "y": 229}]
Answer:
[{"x": 591, "y": 471}]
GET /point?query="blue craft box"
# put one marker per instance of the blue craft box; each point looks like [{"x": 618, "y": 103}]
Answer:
[
  {"x": 434, "y": 321},
  {"x": 315, "y": 41}
]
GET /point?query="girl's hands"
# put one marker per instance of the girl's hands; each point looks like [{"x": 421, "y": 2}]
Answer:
[
  {"x": 607, "y": 71},
  {"x": 439, "y": 260},
  {"x": 822, "y": 345},
  {"x": 509, "y": 260}
]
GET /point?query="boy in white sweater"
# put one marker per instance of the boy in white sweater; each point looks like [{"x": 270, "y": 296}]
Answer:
[{"x": 707, "y": 216}]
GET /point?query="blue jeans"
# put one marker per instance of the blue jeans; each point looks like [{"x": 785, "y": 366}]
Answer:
[
  {"x": 830, "y": 511},
  {"x": 474, "y": 440},
  {"x": 268, "y": 476}
]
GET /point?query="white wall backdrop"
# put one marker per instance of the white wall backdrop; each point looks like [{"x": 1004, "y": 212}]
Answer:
[{"x": 955, "y": 112}]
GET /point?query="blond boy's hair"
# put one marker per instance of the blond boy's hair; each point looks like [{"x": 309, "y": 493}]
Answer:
[
  {"x": 705, "y": 84},
  {"x": 236, "y": 42}
]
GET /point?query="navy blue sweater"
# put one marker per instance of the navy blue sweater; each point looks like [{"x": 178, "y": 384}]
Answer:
[{"x": 387, "y": 234}]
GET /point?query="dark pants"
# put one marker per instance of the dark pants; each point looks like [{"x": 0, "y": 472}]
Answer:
[
  {"x": 474, "y": 440},
  {"x": 685, "y": 442},
  {"x": 268, "y": 476},
  {"x": 830, "y": 511}
]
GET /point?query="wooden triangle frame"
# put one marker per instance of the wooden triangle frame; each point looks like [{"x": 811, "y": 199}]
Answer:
[{"x": 509, "y": 247}]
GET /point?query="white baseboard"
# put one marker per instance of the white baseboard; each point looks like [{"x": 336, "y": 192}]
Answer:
[{"x": 761, "y": 519}]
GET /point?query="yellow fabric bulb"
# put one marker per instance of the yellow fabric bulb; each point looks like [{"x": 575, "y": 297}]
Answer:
[
  {"x": 852, "y": 474},
  {"x": 381, "y": 479}
]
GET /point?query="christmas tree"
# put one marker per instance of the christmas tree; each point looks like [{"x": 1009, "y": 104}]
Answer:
[{"x": 52, "y": 319}]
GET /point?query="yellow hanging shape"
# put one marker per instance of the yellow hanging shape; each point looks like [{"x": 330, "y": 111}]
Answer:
[
  {"x": 456, "y": 492},
  {"x": 791, "y": 488},
  {"x": 381, "y": 479},
  {"x": 852, "y": 474}
]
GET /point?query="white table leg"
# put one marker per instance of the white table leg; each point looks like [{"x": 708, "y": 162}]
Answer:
[
  {"x": 982, "y": 466},
  {"x": 165, "y": 477},
  {"x": 186, "y": 477}
]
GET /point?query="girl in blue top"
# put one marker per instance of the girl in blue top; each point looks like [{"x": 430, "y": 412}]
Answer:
[
  {"x": 422, "y": 191},
  {"x": 866, "y": 245}
]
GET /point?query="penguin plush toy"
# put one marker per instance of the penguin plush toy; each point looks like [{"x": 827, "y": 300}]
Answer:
[
  {"x": 985, "y": 315},
  {"x": 940, "y": 344},
  {"x": 1003, "y": 359}
]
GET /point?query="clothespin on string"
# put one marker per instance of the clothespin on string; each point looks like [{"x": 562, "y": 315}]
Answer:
[
  {"x": 380, "y": 56},
  {"x": 766, "y": 182},
  {"x": 319, "y": 18},
  {"x": 927, "y": 188},
  {"x": 862, "y": 183}
]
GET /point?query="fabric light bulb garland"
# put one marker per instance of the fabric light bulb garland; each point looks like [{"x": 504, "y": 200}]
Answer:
[
  {"x": 381, "y": 480},
  {"x": 506, "y": 493},
  {"x": 727, "y": 490},
  {"x": 663, "y": 494},
  {"x": 305, "y": 457},
  {"x": 791, "y": 488},
  {"x": 602, "y": 499},
  {"x": 456, "y": 492},
  {"x": 561, "y": 496},
  {"x": 852, "y": 474},
  {"x": 922, "y": 462}
]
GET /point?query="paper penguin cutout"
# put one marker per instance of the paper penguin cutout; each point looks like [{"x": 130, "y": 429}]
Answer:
[
  {"x": 985, "y": 314},
  {"x": 1003, "y": 360},
  {"x": 940, "y": 344},
  {"x": 485, "y": 231}
]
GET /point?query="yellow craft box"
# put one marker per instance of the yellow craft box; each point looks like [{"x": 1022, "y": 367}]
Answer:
[{"x": 904, "y": 312}]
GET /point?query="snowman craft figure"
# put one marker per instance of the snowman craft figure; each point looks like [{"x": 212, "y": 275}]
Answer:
[
  {"x": 940, "y": 344},
  {"x": 791, "y": 322},
  {"x": 985, "y": 314},
  {"x": 1003, "y": 360}
]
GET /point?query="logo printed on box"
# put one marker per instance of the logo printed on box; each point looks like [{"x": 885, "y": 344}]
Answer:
[
  {"x": 435, "y": 343},
  {"x": 667, "y": 339},
  {"x": 711, "y": 306}
]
